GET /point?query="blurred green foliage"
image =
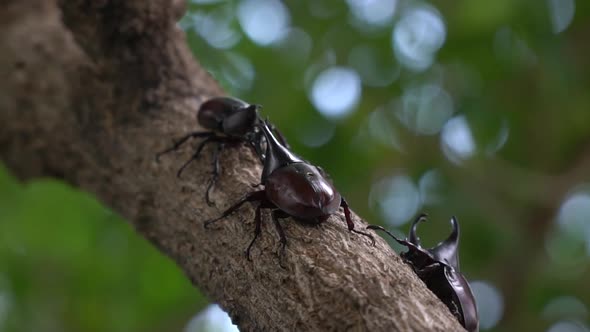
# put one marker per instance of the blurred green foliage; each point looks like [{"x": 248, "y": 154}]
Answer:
[
  {"x": 495, "y": 129},
  {"x": 69, "y": 264}
]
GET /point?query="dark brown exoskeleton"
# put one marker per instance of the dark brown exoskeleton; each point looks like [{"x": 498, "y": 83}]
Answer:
[
  {"x": 438, "y": 267},
  {"x": 228, "y": 120},
  {"x": 292, "y": 187}
]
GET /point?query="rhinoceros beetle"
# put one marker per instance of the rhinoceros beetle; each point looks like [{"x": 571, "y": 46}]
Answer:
[
  {"x": 292, "y": 187},
  {"x": 229, "y": 120},
  {"x": 438, "y": 267}
]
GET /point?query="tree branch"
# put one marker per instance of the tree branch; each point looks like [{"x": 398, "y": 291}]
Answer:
[{"x": 92, "y": 89}]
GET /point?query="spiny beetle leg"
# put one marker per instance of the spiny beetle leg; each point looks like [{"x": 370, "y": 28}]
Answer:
[
  {"x": 276, "y": 214},
  {"x": 182, "y": 140},
  {"x": 250, "y": 197},
  {"x": 215, "y": 176},
  {"x": 349, "y": 222},
  {"x": 257, "y": 230},
  {"x": 400, "y": 241},
  {"x": 200, "y": 147}
]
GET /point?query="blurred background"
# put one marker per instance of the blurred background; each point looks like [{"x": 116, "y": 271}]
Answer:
[{"x": 478, "y": 109}]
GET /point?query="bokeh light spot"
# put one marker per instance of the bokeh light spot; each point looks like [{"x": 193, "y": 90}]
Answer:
[
  {"x": 566, "y": 251},
  {"x": 499, "y": 141},
  {"x": 425, "y": 109},
  {"x": 417, "y": 36},
  {"x": 490, "y": 303},
  {"x": 238, "y": 71},
  {"x": 565, "y": 307},
  {"x": 317, "y": 133},
  {"x": 575, "y": 211},
  {"x": 5, "y": 304},
  {"x": 374, "y": 70},
  {"x": 574, "y": 214},
  {"x": 215, "y": 28},
  {"x": 429, "y": 186},
  {"x": 296, "y": 46},
  {"x": 212, "y": 318},
  {"x": 457, "y": 140},
  {"x": 336, "y": 91},
  {"x": 382, "y": 130},
  {"x": 264, "y": 21},
  {"x": 561, "y": 13},
  {"x": 373, "y": 12},
  {"x": 512, "y": 48},
  {"x": 396, "y": 198},
  {"x": 568, "y": 326}
]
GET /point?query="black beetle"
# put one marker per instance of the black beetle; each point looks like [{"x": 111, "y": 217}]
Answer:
[
  {"x": 230, "y": 120},
  {"x": 438, "y": 267},
  {"x": 292, "y": 187}
]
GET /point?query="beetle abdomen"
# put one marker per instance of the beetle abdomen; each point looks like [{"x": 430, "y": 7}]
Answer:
[{"x": 301, "y": 191}]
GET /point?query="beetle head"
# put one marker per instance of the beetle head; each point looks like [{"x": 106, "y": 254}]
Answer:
[
  {"x": 444, "y": 252},
  {"x": 438, "y": 267},
  {"x": 214, "y": 111},
  {"x": 277, "y": 155},
  {"x": 242, "y": 121},
  {"x": 447, "y": 250}
]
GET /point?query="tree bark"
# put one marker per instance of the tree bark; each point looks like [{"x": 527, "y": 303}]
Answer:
[{"x": 91, "y": 90}]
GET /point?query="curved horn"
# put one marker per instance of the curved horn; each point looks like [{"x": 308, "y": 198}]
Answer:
[
  {"x": 448, "y": 250},
  {"x": 276, "y": 154},
  {"x": 412, "y": 236}
]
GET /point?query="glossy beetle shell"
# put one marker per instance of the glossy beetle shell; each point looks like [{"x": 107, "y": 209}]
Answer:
[
  {"x": 277, "y": 155},
  {"x": 300, "y": 190},
  {"x": 230, "y": 116},
  {"x": 240, "y": 122},
  {"x": 438, "y": 268},
  {"x": 213, "y": 111}
]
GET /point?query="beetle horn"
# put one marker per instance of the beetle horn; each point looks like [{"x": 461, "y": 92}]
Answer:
[
  {"x": 254, "y": 107},
  {"x": 413, "y": 237},
  {"x": 276, "y": 154},
  {"x": 447, "y": 251}
]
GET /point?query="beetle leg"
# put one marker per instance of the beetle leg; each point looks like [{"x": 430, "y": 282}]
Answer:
[
  {"x": 182, "y": 140},
  {"x": 400, "y": 241},
  {"x": 250, "y": 197},
  {"x": 257, "y": 230},
  {"x": 349, "y": 222},
  {"x": 195, "y": 156},
  {"x": 276, "y": 214},
  {"x": 215, "y": 176}
]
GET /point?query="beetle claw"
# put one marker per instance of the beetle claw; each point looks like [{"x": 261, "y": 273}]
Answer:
[
  {"x": 365, "y": 234},
  {"x": 247, "y": 253}
]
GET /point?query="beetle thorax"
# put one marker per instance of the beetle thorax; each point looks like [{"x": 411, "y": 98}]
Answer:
[{"x": 301, "y": 191}]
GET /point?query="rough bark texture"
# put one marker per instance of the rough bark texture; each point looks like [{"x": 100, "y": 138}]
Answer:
[{"x": 90, "y": 90}]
